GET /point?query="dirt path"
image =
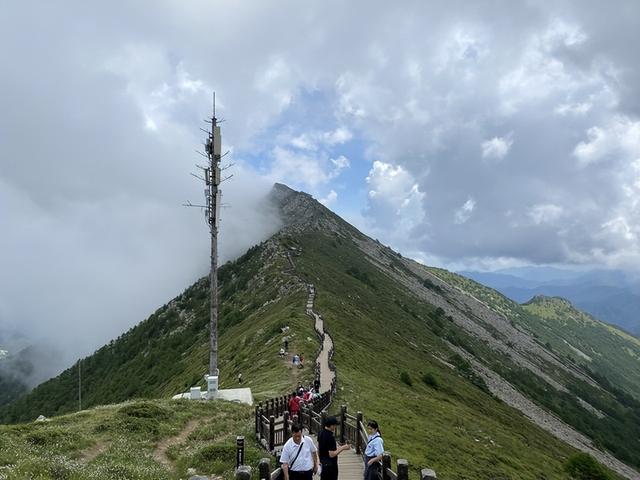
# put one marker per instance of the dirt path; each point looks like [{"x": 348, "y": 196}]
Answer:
[
  {"x": 160, "y": 454},
  {"x": 94, "y": 451}
]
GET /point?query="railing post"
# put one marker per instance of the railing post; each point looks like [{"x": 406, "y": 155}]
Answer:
[
  {"x": 359, "y": 439},
  {"x": 257, "y": 421},
  {"x": 239, "y": 451},
  {"x": 386, "y": 463},
  {"x": 243, "y": 472},
  {"x": 428, "y": 474},
  {"x": 403, "y": 469},
  {"x": 323, "y": 419},
  {"x": 343, "y": 421},
  {"x": 303, "y": 416},
  {"x": 272, "y": 409},
  {"x": 272, "y": 433},
  {"x": 260, "y": 426},
  {"x": 285, "y": 427},
  {"x": 264, "y": 469}
]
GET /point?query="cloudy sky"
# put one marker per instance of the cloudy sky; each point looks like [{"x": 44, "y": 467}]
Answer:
[{"x": 463, "y": 134}]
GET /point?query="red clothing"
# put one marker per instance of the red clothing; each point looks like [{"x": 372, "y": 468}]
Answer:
[
  {"x": 307, "y": 396},
  {"x": 294, "y": 406}
]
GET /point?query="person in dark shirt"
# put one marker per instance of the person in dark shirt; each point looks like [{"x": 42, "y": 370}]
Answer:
[{"x": 328, "y": 450}]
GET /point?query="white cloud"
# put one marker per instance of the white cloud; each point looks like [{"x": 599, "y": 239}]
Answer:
[
  {"x": 338, "y": 136},
  {"x": 330, "y": 199},
  {"x": 305, "y": 168},
  {"x": 618, "y": 139},
  {"x": 317, "y": 140},
  {"x": 395, "y": 199},
  {"x": 579, "y": 109},
  {"x": 496, "y": 148},
  {"x": 339, "y": 164},
  {"x": 464, "y": 212},
  {"x": 545, "y": 213}
]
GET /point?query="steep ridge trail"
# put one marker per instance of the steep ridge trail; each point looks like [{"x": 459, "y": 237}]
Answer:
[
  {"x": 326, "y": 373},
  {"x": 350, "y": 464}
]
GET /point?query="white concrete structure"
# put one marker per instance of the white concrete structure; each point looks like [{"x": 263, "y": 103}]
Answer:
[{"x": 240, "y": 395}]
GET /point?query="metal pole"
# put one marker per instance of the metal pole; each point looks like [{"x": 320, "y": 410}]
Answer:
[
  {"x": 79, "y": 385},
  {"x": 213, "y": 149}
]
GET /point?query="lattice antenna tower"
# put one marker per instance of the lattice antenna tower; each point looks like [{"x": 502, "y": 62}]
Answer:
[{"x": 211, "y": 175}]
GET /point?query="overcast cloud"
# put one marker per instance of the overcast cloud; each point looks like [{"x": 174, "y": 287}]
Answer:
[{"x": 477, "y": 133}]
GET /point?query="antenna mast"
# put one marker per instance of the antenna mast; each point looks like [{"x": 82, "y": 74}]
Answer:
[
  {"x": 212, "y": 193},
  {"x": 212, "y": 213}
]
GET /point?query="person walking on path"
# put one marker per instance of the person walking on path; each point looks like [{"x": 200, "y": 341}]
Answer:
[
  {"x": 294, "y": 404},
  {"x": 299, "y": 456},
  {"x": 373, "y": 452},
  {"x": 329, "y": 450}
]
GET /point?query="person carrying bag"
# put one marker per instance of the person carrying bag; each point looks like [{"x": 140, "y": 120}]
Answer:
[{"x": 299, "y": 456}]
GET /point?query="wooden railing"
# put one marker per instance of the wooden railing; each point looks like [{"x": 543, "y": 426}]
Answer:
[
  {"x": 273, "y": 433},
  {"x": 243, "y": 472},
  {"x": 273, "y": 422}
]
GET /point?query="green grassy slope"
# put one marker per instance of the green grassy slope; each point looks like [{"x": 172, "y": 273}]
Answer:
[
  {"x": 604, "y": 349},
  {"x": 445, "y": 420},
  {"x": 619, "y": 430},
  {"x": 120, "y": 442}
]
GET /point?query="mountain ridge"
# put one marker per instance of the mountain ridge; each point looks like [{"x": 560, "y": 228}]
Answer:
[{"x": 433, "y": 342}]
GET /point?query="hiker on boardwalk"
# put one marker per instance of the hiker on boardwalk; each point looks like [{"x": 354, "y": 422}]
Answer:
[
  {"x": 373, "y": 452},
  {"x": 299, "y": 456},
  {"x": 329, "y": 450},
  {"x": 294, "y": 404}
]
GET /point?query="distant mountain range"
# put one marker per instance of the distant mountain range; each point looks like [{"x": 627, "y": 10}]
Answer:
[{"x": 609, "y": 295}]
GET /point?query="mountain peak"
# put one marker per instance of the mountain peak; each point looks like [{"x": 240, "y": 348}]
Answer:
[
  {"x": 547, "y": 300},
  {"x": 299, "y": 211}
]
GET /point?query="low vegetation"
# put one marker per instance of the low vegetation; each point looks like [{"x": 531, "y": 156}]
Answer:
[{"x": 127, "y": 441}]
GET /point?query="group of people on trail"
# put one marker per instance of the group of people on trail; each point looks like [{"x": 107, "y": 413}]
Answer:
[
  {"x": 301, "y": 459},
  {"x": 303, "y": 395}
]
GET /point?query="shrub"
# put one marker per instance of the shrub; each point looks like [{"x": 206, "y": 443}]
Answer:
[
  {"x": 583, "y": 466},
  {"x": 406, "y": 379},
  {"x": 144, "y": 410},
  {"x": 430, "y": 380}
]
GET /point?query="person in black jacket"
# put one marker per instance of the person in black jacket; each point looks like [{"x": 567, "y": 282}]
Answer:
[{"x": 328, "y": 450}]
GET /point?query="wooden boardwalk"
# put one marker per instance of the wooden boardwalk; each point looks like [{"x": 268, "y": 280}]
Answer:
[{"x": 350, "y": 464}]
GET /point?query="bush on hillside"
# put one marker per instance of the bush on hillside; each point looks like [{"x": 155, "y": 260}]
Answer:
[
  {"x": 583, "y": 466},
  {"x": 430, "y": 380},
  {"x": 406, "y": 379}
]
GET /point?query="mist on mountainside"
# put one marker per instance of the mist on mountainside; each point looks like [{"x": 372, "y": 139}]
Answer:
[{"x": 43, "y": 334}]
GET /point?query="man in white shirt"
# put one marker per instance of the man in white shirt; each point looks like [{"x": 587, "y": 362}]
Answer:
[{"x": 299, "y": 456}]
